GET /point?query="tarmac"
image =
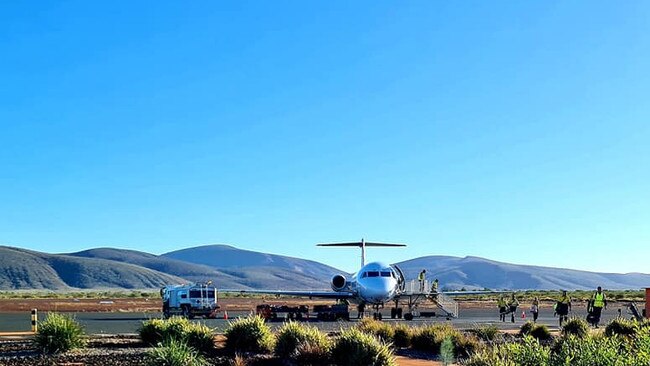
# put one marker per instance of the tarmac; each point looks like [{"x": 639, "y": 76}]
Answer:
[{"x": 128, "y": 323}]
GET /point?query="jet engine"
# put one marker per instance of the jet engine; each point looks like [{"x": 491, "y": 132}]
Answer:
[{"x": 338, "y": 282}]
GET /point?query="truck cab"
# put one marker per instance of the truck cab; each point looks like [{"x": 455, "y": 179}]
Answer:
[{"x": 190, "y": 300}]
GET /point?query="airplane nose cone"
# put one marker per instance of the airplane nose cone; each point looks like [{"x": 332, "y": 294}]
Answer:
[{"x": 380, "y": 291}]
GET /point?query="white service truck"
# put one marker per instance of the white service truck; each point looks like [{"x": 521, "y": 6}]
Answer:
[{"x": 191, "y": 300}]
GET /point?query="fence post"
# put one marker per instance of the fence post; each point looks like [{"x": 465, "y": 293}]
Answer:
[{"x": 34, "y": 320}]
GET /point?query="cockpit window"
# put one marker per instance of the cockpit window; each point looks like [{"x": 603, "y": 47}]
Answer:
[
  {"x": 364, "y": 275},
  {"x": 373, "y": 274},
  {"x": 385, "y": 273}
]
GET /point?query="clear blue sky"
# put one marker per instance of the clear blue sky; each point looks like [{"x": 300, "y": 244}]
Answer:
[{"x": 517, "y": 131}]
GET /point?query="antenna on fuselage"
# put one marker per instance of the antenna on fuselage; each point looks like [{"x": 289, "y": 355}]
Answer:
[{"x": 361, "y": 244}]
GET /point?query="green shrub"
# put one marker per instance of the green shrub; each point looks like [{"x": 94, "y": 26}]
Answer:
[
  {"x": 292, "y": 335},
  {"x": 486, "y": 332},
  {"x": 575, "y": 327},
  {"x": 429, "y": 337},
  {"x": 622, "y": 327},
  {"x": 59, "y": 333},
  {"x": 176, "y": 327},
  {"x": 447, "y": 351},
  {"x": 487, "y": 357},
  {"x": 540, "y": 332},
  {"x": 313, "y": 354},
  {"x": 402, "y": 335},
  {"x": 174, "y": 352},
  {"x": 640, "y": 346},
  {"x": 196, "y": 335},
  {"x": 527, "y": 353},
  {"x": 526, "y": 328},
  {"x": 464, "y": 345},
  {"x": 199, "y": 337},
  {"x": 353, "y": 347},
  {"x": 378, "y": 328},
  {"x": 590, "y": 351},
  {"x": 152, "y": 331},
  {"x": 249, "y": 334}
]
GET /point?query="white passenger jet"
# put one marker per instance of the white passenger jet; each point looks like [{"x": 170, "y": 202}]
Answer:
[{"x": 375, "y": 284}]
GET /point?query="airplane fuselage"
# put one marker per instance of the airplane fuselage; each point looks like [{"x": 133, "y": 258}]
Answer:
[{"x": 375, "y": 283}]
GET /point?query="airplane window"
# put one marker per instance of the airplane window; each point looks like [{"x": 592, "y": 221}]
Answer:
[
  {"x": 364, "y": 275},
  {"x": 373, "y": 274},
  {"x": 385, "y": 274}
]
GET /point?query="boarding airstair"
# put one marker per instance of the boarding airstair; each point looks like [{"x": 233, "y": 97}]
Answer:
[{"x": 415, "y": 292}]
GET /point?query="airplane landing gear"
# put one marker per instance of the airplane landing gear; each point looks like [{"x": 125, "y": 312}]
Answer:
[
  {"x": 396, "y": 313},
  {"x": 377, "y": 314}
]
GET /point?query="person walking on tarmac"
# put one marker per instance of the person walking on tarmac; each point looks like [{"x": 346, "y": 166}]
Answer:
[
  {"x": 501, "y": 303},
  {"x": 563, "y": 307},
  {"x": 598, "y": 303},
  {"x": 534, "y": 308},
  {"x": 421, "y": 277},
  {"x": 361, "y": 309},
  {"x": 513, "y": 304}
]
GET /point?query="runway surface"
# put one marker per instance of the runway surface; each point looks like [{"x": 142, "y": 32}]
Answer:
[{"x": 123, "y": 323}]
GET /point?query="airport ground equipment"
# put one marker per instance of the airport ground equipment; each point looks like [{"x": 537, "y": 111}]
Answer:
[
  {"x": 331, "y": 312},
  {"x": 190, "y": 300},
  {"x": 634, "y": 311},
  {"x": 414, "y": 294},
  {"x": 377, "y": 284},
  {"x": 272, "y": 312}
]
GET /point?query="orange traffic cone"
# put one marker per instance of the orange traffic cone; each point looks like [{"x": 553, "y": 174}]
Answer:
[
  {"x": 523, "y": 315},
  {"x": 225, "y": 314}
]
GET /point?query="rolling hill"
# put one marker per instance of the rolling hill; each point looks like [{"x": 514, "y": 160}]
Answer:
[
  {"x": 478, "y": 273},
  {"x": 241, "y": 262},
  {"x": 233, "y": 268},
  {"x": 26, "y": 269}
]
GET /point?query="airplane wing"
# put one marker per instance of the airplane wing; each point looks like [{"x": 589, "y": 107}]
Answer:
[{"x": 309, "y": 294}]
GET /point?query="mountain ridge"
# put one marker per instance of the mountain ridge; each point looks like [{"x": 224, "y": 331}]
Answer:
[{"x": 233, "y": 268}]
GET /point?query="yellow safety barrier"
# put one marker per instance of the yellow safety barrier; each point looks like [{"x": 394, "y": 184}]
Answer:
[
  {"x": 25, "y": 333},
  {"x": 34, "y": 320}
]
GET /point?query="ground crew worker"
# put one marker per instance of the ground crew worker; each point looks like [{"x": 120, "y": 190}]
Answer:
[
  {"x": 361, "y": 309},
  {"x": 421, "y": 278},
  {"x": 501, "y": 303},
  {"x": 512, "y": 305},
  {"x": 563, "y": 307},
  {"x": 434, "y": 286},
  {"x": 599, "y": 302},
  {"x": 534, "y": 308}
]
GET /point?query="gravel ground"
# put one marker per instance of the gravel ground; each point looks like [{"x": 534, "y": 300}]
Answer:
[{"x": 102, "y": 351}]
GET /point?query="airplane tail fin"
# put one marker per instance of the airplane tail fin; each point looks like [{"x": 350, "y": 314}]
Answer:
[{"x": 361, "y": 244}]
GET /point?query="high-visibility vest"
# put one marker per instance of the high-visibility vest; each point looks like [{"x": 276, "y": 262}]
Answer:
[
  {"x": 501, "y": 303},
  {"x": 565, "y": 299},
  {"x": 599, "y": 299},
  {"x": 421, "y": 276}
]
